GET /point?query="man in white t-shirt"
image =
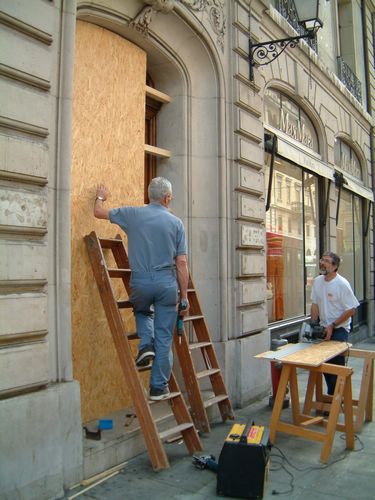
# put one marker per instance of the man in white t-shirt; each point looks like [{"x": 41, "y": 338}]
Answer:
[{"x": 333, "y": 303}]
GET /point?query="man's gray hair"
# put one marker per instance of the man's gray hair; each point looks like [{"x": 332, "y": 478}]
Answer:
[
  {"x": 335, "y": 258},
  {"x": 158, "y": 188}
]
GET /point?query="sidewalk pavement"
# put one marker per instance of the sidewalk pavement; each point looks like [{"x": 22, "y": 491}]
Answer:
[{"x": 295, "y": 471}]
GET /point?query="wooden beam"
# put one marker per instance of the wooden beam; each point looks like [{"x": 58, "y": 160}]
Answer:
[
  {"x": 157, "y": 95},
  {"x": 153, "y": 150}
]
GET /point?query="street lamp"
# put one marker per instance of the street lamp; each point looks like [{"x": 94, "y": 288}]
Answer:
[{"x": 263, "y": 53}]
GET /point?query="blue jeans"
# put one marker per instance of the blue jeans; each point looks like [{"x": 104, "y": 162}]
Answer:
[
  {"x": 154, "y": 299},
  {"x": 341, "y": 335}
]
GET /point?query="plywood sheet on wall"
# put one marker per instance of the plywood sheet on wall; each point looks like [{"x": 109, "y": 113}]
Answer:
[{"x": 108, "y": 147}]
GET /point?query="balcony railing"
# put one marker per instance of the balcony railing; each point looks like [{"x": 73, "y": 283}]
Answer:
[
  {"x": 288, "y": 11},
  {"x": 349, "y": 79}
]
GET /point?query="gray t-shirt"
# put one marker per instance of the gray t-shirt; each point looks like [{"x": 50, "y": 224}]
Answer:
[{"x": 155, "y": 236}]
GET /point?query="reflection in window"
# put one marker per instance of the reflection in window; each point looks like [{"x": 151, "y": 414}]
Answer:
[
  {"x": 291, "y": 248},
  {"x": 350, "y": 241}
]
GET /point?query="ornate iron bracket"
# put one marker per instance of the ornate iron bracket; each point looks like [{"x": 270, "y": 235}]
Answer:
[{"x": 263, "y": 53}]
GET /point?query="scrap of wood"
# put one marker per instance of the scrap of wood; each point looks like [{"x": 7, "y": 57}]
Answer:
[
  {"x": 93, "y": 485},
  {"x": 105, "y": 473}
]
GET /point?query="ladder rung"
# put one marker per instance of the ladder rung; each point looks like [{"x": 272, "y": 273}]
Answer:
[
  {"x": 109, "y": 242},
  {"x": 215, "y": 400},
  {"x": 192, "y": 318},
  {"x": 124, "y": 304},
  {"x": 199, "y": 345},
  {"x": 118, "y": 273},
  {"x": 132, "y": 336},
  {"x": 175, "y": 430},
  {"x": 208, "y": 373}
]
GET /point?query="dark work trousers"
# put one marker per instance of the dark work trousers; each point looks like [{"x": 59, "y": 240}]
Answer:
[{"x": 341, "y": 335}]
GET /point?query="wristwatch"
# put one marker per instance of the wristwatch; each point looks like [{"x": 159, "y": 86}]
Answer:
[
  {"x": 334, "y": 324},
  {"x": 100, "y": 198}
]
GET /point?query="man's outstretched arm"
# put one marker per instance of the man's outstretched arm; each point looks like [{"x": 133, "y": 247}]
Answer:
[{"x": 101, "y": 195}]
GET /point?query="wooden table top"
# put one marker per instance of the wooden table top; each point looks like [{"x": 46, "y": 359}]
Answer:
[{"x": 306, "y": 353}]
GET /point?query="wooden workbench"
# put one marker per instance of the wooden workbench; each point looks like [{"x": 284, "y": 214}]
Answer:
[{"x": 313, "y": 357}]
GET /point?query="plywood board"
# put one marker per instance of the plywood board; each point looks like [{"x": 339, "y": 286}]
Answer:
[
  {"x": 307, "y": 354},
  {"x": 108, "y": 147}
]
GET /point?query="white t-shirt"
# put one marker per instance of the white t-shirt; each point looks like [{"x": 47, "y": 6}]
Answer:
[{"x": 333, "y": 298}]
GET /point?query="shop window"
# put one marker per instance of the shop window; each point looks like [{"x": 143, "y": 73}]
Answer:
[
  {"x": 291, "y": 255},
  {"x": 288, "y": 182},
  {"x": 279, "y": 189},
  {"x": 350, "y": 241}
]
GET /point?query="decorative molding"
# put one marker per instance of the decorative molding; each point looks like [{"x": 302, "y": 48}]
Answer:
[
  {"x": 21, "y": 76},
  {"x": 22, "y": 338},
  {"x": 25, "y": 28},
  {"x": 23, "y": 178},
  {"x": 141, "y": 22},
  {"x": 22, "y": 232},
  {"x": 24, "y": 127},
  {"x": 7, "y": 393},
  {"x": 215, "y": 11},
  {"x": 19, "y": 286}
]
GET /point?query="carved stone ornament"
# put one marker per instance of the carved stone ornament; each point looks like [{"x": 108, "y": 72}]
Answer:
[
  {"x": 143, "y": 19},
  {"x": 215, "y": 11}
]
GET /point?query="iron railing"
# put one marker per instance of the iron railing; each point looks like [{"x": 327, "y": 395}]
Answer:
[{"x": 349, "y": 79}]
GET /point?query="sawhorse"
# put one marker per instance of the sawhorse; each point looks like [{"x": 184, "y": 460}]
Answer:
[{"x": 362, "y": 407}]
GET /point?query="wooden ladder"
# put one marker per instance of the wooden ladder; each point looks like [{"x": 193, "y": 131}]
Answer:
[
  {"x": 195, "y": 355},
  {"x": 121, "y": 338}
]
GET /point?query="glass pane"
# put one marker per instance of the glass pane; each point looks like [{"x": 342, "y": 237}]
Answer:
[
  {"x": 345, "y": 243},
  {"x": 272, "y": 108},
  {"x": 311, "y": 233},
  {"x": 309, "y": 137},
  {"x": 285, "y": 259},
  {"x": 358, "y": 248}
]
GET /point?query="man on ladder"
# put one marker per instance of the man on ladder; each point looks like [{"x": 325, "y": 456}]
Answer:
[{"x": 158, "y": 262}]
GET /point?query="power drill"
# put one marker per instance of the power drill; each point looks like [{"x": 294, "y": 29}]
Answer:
[{"x": 180, "y": 320}]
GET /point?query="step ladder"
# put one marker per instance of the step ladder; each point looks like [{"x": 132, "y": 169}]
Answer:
[
  {"x": 193, "y": 356},
  {"x": 153, "y": 438}
]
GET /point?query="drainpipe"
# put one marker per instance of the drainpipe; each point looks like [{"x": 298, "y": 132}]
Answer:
[{"x": 372, "y": 138}]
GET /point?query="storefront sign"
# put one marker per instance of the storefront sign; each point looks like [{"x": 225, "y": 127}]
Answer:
[{"x": 295, "y": 129}]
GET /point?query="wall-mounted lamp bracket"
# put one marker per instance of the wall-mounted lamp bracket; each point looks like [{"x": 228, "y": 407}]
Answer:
[{"x": 263, "y": 53}]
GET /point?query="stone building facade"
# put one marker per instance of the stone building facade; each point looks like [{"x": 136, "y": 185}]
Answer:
[{"x": 267, "y": 172}]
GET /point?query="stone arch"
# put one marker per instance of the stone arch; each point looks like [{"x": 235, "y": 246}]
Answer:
[{"x": 186, "y": 66}]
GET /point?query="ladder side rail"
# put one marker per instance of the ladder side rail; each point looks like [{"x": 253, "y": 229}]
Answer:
[
  {"x": 156, "y": 450},
  {"x": 191, "y": 383}
]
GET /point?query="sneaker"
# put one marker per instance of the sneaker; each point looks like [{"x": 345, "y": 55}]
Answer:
[
  {"x": 145, "y": 355},
  {"x": 158, "y": 394}
]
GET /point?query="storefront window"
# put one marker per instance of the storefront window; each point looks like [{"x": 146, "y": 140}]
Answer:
[
  {"x": 292, "y": 245},
  {"x": 350, "y": 241}
]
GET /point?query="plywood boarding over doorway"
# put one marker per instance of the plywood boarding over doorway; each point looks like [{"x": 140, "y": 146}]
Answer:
[{"x": 108, "y": 147}]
